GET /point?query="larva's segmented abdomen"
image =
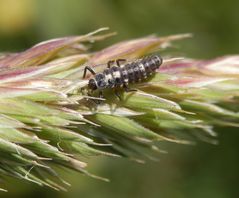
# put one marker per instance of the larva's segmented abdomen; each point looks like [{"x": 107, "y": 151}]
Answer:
[
  {"x": 129, "y": 73},
  {"x": 142, "y": 69}
]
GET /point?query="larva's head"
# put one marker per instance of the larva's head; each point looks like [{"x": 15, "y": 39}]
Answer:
[
  {"x": 92, "y": 84},
  {"x": 98, "y": 82}
]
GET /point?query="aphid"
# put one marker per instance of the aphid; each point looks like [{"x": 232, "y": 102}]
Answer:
[{"x": 122, "y": 74}]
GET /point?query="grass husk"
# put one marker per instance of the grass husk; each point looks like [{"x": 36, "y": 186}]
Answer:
[{"x": 46, "y": 120}]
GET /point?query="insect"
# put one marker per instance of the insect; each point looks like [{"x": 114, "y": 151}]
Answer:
[{"x": 122, "y": 74}]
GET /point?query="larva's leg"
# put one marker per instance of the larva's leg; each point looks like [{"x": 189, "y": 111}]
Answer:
[
  {"x": 100, "y": 94},
  {"x": 118, "y": 95},
  {"x": 110, "y": 63},
  {"x": 97, "y": 101},
  {"x": 127, "y": 89},
  {"x": 89, "y": 69},
  {"x": 118, "y": 61}
]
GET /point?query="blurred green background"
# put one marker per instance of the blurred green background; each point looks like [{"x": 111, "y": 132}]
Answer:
[{"x": 187, "y": 171}]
